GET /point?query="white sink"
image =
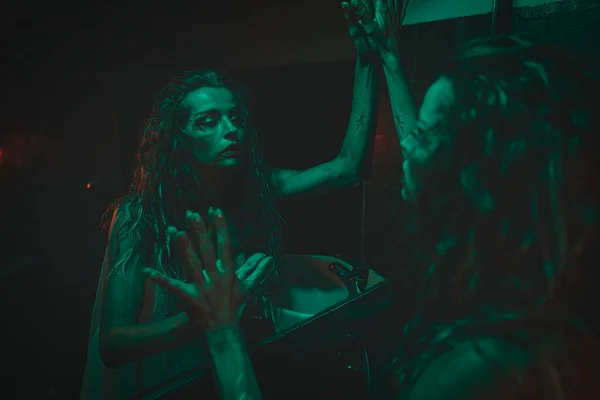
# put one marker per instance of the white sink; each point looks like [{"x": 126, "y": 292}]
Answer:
[{"x": 308, "y": 286}]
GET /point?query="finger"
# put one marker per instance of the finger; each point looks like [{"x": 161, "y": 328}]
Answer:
[
  {"x": 349, "y": 21},
  {"x": 174, "y": 286},
  {"x": 381, "y": 7},
  {"x": 367, "y": 22},
  {"x": 184, "y": 266},
  {"x": 362, "y": 11},
  {"x": 257, "y": 276},
  {"x": 352, "y": 14},
  {"x": 205, "y": 245},
  {"x": 250, "y": 265},
  {"x": 190, "y": 262},
  {"x": 369, "y": 28},
  {"x": 373, "y": 35},
  {"x": 224, "y": 251},
  {"x": 191, "y": 230},
  {"x": 353, "y": 26}
]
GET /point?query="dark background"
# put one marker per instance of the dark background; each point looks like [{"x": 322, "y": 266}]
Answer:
[{"x": 78, "y": 82}]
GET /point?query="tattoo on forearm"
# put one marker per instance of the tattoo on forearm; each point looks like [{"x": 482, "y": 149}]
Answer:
[
  {"x": 362, "y": 120},
  {"x": 399, "y": 122}
]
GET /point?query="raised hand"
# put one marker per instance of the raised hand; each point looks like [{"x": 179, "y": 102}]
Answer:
[
  {"x": 376, "y": 22},
  {"x": 388, "y": 22},
  {"x": 355, "y": 14},
  {"x": 214, "y": 293}
]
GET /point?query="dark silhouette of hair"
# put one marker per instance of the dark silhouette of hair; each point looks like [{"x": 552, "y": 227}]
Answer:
[
  {"x": 166, "y": 184},
  {"x": 510, "y": 209}
]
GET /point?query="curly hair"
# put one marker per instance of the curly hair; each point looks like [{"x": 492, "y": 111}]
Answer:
[
  {"x": 166, "y": 184},
  {"x": 510, "y": 209}
]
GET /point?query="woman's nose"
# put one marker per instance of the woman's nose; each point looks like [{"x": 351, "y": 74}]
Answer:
[
  {"x": 228, "y": 124},
  {"x": 231, "y": 129}
]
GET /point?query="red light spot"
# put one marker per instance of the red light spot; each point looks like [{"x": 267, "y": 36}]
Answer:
[{"x": 89, "y": 185}]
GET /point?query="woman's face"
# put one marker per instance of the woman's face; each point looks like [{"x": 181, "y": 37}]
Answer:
[
  {"x": 215, "y": 127},
  {"x": 419, "y": 145}
]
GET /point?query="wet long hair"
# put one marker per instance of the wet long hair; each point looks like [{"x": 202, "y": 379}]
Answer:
[
  {"x": 166, "y": 181},
  {"x": 510, "y": 209}
]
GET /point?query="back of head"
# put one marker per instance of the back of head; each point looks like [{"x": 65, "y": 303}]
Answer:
[{"x": 509, "y": 210}]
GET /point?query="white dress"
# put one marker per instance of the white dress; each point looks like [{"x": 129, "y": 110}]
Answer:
[{"x": 149, "y": 378}]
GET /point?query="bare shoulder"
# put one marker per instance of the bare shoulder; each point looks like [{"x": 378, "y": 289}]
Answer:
[
  {"x": 469, "y": 370},
  {"x": 121, "y": 216},
  {"x": 122, "y": 232},
  {"x": 123, "y": 241},
  {"x": 563, "y": 360},
  {"x": 124, "y": 281}
]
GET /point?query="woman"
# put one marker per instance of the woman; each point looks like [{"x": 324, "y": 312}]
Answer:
[
  {"x": 198, "y": 149},
  {"x": 215, "y": 297},
  {"x": 503, "y": 169}
]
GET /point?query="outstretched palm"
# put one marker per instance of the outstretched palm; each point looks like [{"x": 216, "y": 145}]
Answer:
[{"x": 215, "y": 293}]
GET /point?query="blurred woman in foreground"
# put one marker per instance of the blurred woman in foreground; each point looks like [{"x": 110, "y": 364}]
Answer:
[{"x": 504, "y": 171}]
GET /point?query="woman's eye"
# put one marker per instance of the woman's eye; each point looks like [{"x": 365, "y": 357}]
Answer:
[{"x": 204, "y": 122}]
